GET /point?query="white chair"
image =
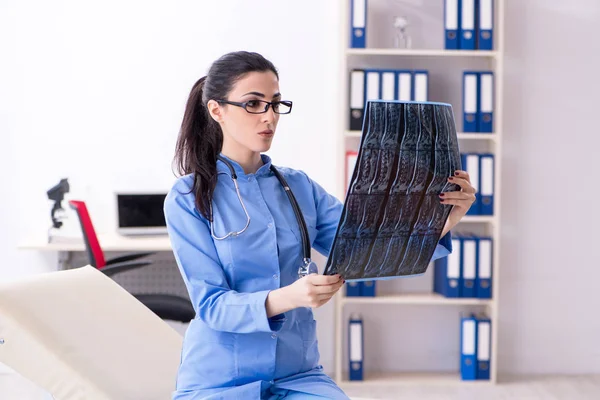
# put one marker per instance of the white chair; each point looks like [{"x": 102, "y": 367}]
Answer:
[{"x": 79, "y": 335}]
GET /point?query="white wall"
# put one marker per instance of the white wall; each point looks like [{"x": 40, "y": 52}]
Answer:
[
  {"x": 94, "y": 92},
  {"x": 549, "y": 302}
]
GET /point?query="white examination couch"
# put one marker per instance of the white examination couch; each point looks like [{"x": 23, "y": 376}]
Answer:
[{"x": 80, "y": 336}]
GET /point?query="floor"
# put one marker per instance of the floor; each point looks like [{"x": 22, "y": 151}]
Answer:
[{"x": 14, "y": 387}]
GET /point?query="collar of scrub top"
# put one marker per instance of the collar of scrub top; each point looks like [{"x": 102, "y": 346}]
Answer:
[
  {"x": 264, "y": 170},
  {"x": 308, "y": 265}
]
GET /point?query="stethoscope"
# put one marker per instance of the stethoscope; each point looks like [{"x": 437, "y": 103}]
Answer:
[{"x": 308, "y": 266}]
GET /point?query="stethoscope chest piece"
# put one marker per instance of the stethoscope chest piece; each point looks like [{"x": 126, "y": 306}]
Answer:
[{"x": 308, "y": 267}]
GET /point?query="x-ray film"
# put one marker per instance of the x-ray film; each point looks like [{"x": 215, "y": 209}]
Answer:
[{"x": 392, "y": 218}]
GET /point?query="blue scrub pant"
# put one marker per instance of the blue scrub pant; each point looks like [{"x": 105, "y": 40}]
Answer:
[
  {"x": 291, "y": 395},
  {"x": 319, "y": 383}
]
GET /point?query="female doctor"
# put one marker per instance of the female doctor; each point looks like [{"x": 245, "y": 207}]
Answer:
[{"x": 237, "y": 242}]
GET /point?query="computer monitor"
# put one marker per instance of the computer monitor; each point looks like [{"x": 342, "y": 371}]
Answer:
[{"x": 141, "y": 213}]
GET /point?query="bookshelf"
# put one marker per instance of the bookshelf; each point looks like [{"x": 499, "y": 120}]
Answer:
[{"x": 444, "y": 85}]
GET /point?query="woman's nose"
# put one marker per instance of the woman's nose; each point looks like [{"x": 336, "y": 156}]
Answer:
[{"x": 269, "y": 116}]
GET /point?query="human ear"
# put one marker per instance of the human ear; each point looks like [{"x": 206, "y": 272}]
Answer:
[{"x": 215, "y": 111}]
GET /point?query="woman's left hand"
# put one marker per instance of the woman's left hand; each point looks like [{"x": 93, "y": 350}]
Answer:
[{"x": 461, "y": 200}]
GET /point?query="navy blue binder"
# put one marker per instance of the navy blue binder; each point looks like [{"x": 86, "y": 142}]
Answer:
[
  {"x": 358, "y": 23},
  {"x": 355, "y": 348},
  {"x": 468, "y": 348},
  {"x": 485, "y": 25},
  {"x": 368, "y": 288},
  {"x": 357, "y": 98},
  {"x": 452, "y": 24},
  {"x": 485, "y": 108},
  {"x": 484, "y": 347},
  {"x": 353, "y": 289},
  {"x": 486, "y": 185},
  {"x": 469, "y": 266},
  {"x": 471, "y": 163},
  {"x": 447, "y": 279},
  {"x": 467, "y": 25},
  {"x": 484, "y": 268},
  {"x": 470, "y": 97},
  {"x": 420, "y": 85}
]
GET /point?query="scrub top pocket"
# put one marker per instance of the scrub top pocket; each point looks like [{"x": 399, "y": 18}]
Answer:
[{"x": 310, "y": 344}]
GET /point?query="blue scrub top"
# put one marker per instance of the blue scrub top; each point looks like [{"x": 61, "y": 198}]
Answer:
[{"x": 231, "y": 349}]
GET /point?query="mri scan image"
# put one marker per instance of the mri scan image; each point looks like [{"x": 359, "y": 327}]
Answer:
[{"x": 392, "y": 218}]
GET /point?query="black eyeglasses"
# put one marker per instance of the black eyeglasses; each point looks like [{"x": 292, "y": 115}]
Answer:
[{"x": 261, "y": 106}]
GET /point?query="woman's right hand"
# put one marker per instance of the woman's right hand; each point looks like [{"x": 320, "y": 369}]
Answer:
[{"x": 314, "y": 290}]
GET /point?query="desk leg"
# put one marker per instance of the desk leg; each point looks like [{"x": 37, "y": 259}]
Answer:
[{"x": 64, "y": 260}]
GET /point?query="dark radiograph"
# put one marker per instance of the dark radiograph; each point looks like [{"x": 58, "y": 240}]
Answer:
[{"x": 392, "y": 218}]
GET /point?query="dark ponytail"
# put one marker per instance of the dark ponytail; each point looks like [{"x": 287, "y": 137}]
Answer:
[{"x": 201, "y": 139}]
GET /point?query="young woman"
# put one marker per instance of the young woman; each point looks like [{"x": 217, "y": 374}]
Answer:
[{"x": 238, "y": 244}]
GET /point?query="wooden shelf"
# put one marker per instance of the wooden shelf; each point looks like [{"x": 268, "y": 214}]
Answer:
[
  {"x": 478, "y": 219},
  {"x": 410, "y": 378},
  {"x": 421, "y": 53},
  {"x": 416, "y": 299},
  {"x": 461, "y": 135},
  {"x": 477, "y": 136}
]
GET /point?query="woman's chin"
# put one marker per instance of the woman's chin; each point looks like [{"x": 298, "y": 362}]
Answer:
[{"x": 265, "y": 145}]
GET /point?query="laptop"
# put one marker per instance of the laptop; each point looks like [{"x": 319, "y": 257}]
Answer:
[{"x": 141, "y": 214}]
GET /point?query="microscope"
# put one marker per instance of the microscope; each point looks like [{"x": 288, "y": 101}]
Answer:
[{"x": 57, "y": 194}]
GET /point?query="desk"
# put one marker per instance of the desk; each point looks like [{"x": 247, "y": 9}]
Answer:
[
  {"x": 108, "y": 242},
  {"x": 162, "y": 276}
]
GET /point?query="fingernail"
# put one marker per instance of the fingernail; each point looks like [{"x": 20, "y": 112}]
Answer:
[
  {"x": 451, "y": 178},
  {"x": 442, "y": 194},
  {"x": 344, "y": 281},
  {"x": 456, "y": 173}
]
